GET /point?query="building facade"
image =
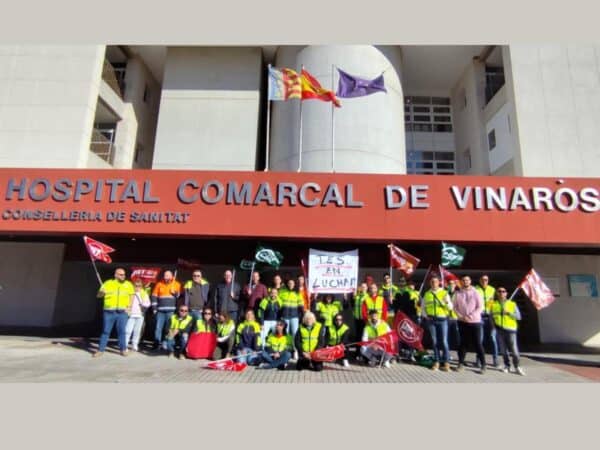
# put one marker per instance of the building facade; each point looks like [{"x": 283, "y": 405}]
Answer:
[{"x": 498, "y": 118}]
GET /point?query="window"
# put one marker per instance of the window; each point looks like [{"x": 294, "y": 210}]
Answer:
[
  {"x": 421, "y": 117},
  {"x": 430, "y": 163},
  {"x": 492, "y": 139}
]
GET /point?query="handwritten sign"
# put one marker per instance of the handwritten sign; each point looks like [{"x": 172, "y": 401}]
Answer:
[{"x": 332, "y": 272}]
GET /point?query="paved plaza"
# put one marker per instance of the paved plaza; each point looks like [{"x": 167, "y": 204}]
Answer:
[{"x": 31, "y": 359}]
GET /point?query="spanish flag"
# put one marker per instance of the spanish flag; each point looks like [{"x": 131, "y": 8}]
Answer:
[{"x": 311, "y": 89}]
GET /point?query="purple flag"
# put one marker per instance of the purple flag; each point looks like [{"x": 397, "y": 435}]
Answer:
[{"x": 350, "y": 86}]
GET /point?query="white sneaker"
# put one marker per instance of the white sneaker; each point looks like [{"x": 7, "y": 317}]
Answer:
[
  {"x": 372, "y": 363},
  {"x": 264, "y": 366},
  {"x": 506, "y": 369},
  {"x": 345, "y": 363},
  {"x": 386, "y": 364},
  {"x": 520, "y": 371}
]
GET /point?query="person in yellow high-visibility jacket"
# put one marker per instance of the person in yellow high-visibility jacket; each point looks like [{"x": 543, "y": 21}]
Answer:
[
  {"x": 505, "y": 314},
  {"x": 436, "y": 308},
  {"x": 117, "y": 295}
]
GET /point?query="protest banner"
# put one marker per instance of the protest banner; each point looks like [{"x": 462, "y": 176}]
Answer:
[{"x": 332, "y": 272}]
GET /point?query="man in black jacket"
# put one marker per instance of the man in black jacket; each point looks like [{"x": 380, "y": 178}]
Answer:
[{"x": 226, "y": 296}]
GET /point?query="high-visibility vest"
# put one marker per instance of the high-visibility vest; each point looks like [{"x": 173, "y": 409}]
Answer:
[
  {"x": 501, "y": 316},
  {"x": 203, "y": 327},
  {"x": 359, "y": 298},
  {"x": 378, "y": 330},
  {"x": 487, "y": 295},
  {"x": 434, "y": 307},
  {"x": 180, "y": 323},
  {"x": 290, "y": 302},
  {"x": 266, "y": 303},
  {"x": 377, "y": 304},
  {"x": 389, "y": 291},
  {"x": 224, "y": 329},
  {"x": 117, "y": 295},
  {"x": 327, "y": 312},
  {"x": 189, "y": 284},
  {"x": 279, "y": 343},
  {"x": 310, "y": 338},
  {"x": 246, "y": 328},
  {"x": 335, "y": 334}
]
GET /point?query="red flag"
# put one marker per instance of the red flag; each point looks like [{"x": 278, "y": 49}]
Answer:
[
  {"x": 201, "y": 345},
  {"x": 447, "y": 276},
  {"x": 402, "y": 260},
  {"x": 146, "y": 274},
  {"x": 408, "y": 332},
  {"x": 537, "y": 291},
  {"x": 328, "y": 354},
  {"x": 97, "y": 250},
  {"x": 227, "y": 364},
  {"x": 387, "y": 342}
]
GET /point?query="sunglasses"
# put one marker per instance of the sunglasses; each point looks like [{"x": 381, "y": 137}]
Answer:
[
  {"x": 195, "y": 276},
  {"x": 207, "y": 314},
  {"x": 183, "y": 310}
]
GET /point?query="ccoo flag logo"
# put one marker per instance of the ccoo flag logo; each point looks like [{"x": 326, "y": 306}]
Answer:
[
  {"x": 452, "y": 255},
  {"x": 269, "y": 256}
]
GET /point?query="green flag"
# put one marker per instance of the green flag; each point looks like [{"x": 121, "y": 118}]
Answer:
[
  {"x": 269, "y": 256},
  {"x": 452, "y": 255},
  {"x": 246, "y": 264}
]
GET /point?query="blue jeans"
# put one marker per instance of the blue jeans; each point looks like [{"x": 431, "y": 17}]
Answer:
[
  {"x": 196, "y": 314},
  {"x": 109, "y": 319},
  {"x": 508, "y": 342},
  {"x": 292, "y": 326},
  {"x": 251, "y": 359},
  {"x": 284, "y": 357},
  {"x": 438, "y": 329},
  {"x": 489, "y": 333},
  {"x": 181, "y": 340},
  {"x": 162, "y": 325}
]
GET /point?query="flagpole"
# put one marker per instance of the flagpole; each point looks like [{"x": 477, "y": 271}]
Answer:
[
  {"x": 232, "y": 281},
  {"x": 332, "y": 122},
  {"x": 441, "y": 274},
  {"x": 300, "y": 135},
  {"x": 251, "y": 272},
  {"x": 268, "y": 121},
  {"x": 423, "y": 282},
  {"x": 96, "y": 270},
  {"x": 391, "y": 276},
  {"x": 514, "y": 292}
]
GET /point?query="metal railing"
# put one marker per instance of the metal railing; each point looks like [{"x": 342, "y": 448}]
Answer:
[{"x": 103, "y": 147}]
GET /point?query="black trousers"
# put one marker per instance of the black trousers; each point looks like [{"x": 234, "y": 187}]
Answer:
[
  {"x": 304, "y": 363},
  {"x": 471, "y": 333}
]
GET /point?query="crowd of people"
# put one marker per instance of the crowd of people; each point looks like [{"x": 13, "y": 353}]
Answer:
[{"x": 271, "y": 326}]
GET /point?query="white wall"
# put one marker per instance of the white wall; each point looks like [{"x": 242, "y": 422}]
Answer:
[
  {"x": 572, "y": 320},
  {"x": 138, "y": 117},
  {"x": 29, "y": 274},
  {"x": 503, "y": 152},
  {"x": 47, "y": 103},
  {"x": 557, "y": 101},
  {"x": 468, "y": 122},
  {"x": 369, "y": 131},
  {"x": 209, "y": 110}
]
